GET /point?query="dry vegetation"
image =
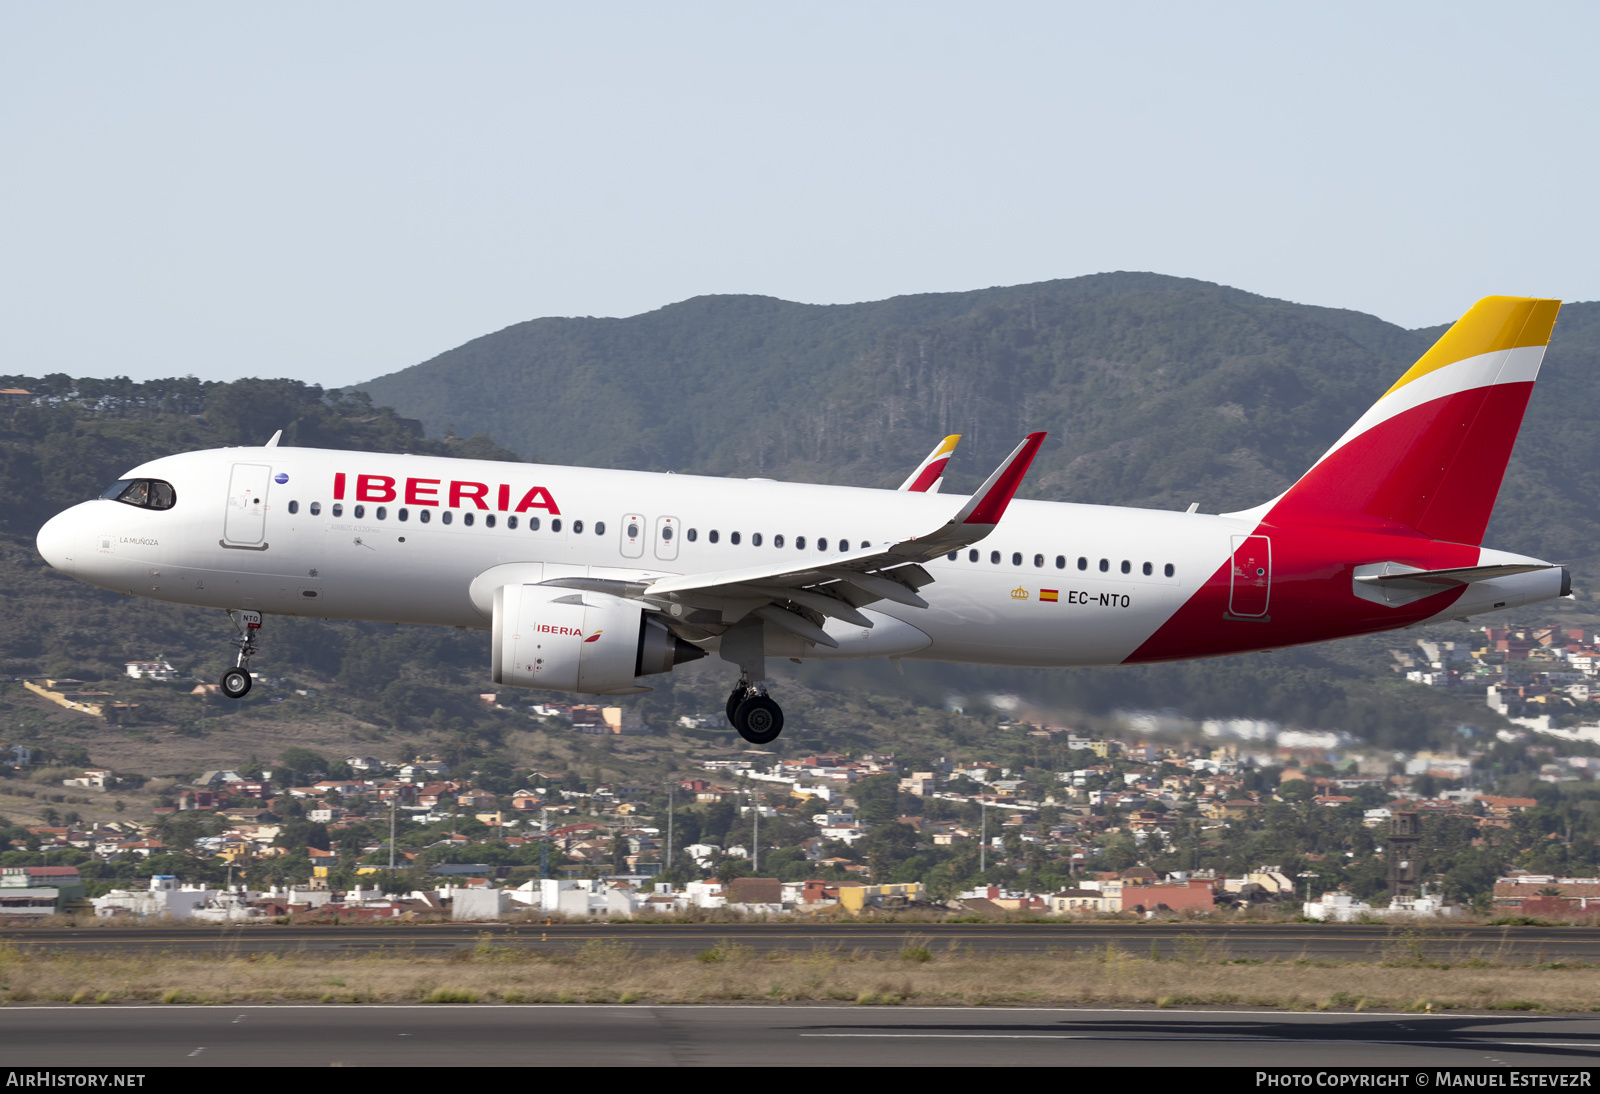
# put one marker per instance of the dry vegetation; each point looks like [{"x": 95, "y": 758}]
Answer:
[{"x": 613, "y": 971}]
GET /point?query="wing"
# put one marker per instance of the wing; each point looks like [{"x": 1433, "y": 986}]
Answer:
[
  {"x": 796, "y": 598},
  {"x": 930, "y": 472}
]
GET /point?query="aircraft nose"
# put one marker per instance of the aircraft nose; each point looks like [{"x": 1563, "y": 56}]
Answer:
[{"x": 57, "y": 541}]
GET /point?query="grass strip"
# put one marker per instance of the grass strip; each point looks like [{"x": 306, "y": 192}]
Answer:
[{"x": 921, "y": 973}]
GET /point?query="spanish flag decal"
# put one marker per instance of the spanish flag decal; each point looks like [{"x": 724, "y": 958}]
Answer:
[{"x": 1048, "y": 594}]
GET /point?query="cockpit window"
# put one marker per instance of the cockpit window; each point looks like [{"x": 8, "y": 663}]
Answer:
[{"x": 145, "y": 493}]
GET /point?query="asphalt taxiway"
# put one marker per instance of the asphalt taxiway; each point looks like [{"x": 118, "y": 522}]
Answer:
[{"x": 699, "y": 1036}]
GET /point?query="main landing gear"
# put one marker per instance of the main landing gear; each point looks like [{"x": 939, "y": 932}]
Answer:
[
  {"x": 758, "y": 719},
  {"x": 236, "y": 681}
]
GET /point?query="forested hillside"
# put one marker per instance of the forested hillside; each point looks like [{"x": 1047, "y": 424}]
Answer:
[
  {"x": 78, "y": 435},
  {"x": 1157, "y": 391},
  {"x": 75, "y": 436}
]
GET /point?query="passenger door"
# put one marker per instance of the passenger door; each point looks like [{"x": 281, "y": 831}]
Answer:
[
  {"x": 1251, "y": 581},
  {"x": 245, "y": 523}
]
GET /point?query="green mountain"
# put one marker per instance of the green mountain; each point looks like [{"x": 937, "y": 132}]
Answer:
[{"x": 1157, "y": 391}]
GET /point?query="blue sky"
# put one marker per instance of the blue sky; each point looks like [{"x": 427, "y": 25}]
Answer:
[{"x": 333, "y": 192}]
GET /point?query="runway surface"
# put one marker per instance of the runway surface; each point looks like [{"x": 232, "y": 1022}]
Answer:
[
  {"x": 1285, "y": 941},
  {"x": 693, "y": 1036}
]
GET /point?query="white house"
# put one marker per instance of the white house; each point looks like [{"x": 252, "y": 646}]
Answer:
[
  {"x": 472, "y": 904},
  {"x": 165, "y": 897}
]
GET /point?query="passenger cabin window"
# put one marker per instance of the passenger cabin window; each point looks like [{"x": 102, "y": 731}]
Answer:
[
  {"x": 316, "y": 508},
  {"x": 555, "y": 526},
  {"x": 338, "y": 509},
  {"x": 424, "y": 515},
  {"x": 799, "y": 543},
  {"x": 600, "y": 529},
  {"x": 755, "y": 539},
  {"x": 693, "y": 534},
  {"x": 467, "y": 519},
  {"x": 533, "y": 524},
  {"x": 777, "y": 541},
  {"x": 1169, "y": 571},
  {"x": 511, "y": 522},
  {"x": 488, "y": 521},
  {"x": 144, "y": 493},
  {"x": 713, "y": 535},
  {"x": 733, "y": 538},
  {"x": 294, "y": 507},
  {"x": 360, "y": 512}
]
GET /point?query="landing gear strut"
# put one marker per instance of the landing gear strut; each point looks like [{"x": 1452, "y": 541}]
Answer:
[
  {"x": 758, "y": 719},
  {"x": 237, "y": 680}
]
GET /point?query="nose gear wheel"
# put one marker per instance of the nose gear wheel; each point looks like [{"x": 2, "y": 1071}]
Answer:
[{"x": 235, "y": 683}]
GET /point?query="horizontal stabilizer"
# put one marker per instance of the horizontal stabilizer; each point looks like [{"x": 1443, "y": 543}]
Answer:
[{"x": 1394, "y": 573}]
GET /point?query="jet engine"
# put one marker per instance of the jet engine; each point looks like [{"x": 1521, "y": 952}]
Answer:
[{"x": 555, "y": 639}]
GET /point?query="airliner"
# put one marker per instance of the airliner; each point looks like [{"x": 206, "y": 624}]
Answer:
[{"x": 592, "y": 581}]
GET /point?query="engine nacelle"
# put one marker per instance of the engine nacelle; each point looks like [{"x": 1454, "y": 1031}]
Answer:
[{"x": 556, "y": 639}]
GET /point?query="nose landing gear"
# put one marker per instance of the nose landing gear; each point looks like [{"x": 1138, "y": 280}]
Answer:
[
  {"x": 753, "y": 713},
  {"x": 236, "y": 681}
]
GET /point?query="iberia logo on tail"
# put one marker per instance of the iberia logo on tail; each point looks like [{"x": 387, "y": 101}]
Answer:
[{"x": 595, "y": 637}]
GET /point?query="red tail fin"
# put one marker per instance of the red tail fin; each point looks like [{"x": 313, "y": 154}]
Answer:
[{"x": 1431, "y": 453}]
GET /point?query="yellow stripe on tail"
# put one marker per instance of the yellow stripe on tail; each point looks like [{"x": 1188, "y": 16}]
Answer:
[{"x": 1494, "y": 323}]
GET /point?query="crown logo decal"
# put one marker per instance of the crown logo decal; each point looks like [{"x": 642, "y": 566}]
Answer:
[{"x": 1019, "y": 593}]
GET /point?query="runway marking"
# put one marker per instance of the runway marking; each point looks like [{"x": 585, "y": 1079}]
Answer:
[{"x": 197, "y": 1052}]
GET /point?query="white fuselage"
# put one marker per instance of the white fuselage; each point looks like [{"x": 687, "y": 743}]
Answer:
[{"x": 233, "y": 542}]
